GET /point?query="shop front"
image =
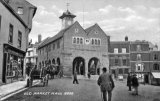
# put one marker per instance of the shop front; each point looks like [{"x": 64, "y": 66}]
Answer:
[{"x": 13, "y": 60}]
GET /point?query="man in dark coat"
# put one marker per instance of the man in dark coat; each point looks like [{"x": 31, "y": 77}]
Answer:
[
  {"x": 106, "y": 84},
  {"x": 129, "y": 81},
  {"x": 135, "y": 84},
  {"x": 75, "y": 78}
]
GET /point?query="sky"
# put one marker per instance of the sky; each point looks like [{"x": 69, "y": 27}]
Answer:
[{"x": 137, "y": 19}]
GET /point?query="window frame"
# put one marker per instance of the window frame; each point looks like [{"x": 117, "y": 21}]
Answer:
[
  {"x": 19, "y": 39},
  {"x": 20, "y": 10},
  {"x": 116, "y": 50},
  {"x": 11, "y": 30}
]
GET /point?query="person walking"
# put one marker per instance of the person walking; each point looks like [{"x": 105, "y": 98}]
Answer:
[
  {"x": 89, "y": 75},
  {"x": 75, "y": 78},
  {"x": 135, "y": 84},
  {"x": 129, "y": 81},
  {"x": 106, "y": 84}
]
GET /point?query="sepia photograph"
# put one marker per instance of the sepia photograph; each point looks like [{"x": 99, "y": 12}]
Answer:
[{"x": 79, "y": 50}]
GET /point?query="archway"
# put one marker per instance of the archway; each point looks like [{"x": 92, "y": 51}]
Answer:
[
  {"x": 79, "y": 65},
  {"x": 93, "y": 66},
  {"x": 58, "y": 61},
  {"x": 49, "y": 62},
  {"x": 53, "y": 61}
]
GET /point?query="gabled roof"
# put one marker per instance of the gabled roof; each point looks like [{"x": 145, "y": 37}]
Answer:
[
  {"x": 13, "y": 12},
  {"x": 89, "y": 28},
  {"x": 32, "y": 6},
  {"x": 57, "y": 36}
]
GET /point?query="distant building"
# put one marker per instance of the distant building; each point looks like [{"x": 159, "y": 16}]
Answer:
[
  {"x": 75, "y": 48},
  {"x": 14, "y": 31},
  {"x": 119, "y": 54},
  {"x": 32, "y": 52},
  {"x": 140, "y": 57}
]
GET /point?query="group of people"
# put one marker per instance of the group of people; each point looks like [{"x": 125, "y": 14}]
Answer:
[
  {"x": 132, "y": 83},
  {"x": 105, "y": 82}
]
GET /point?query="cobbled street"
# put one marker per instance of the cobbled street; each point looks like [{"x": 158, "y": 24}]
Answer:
[{"x": 86, "y": 90}]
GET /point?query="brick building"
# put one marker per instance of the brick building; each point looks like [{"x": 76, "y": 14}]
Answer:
[
  {"x": 75, "y": 48},
  {"x": 140, "y": 57},
  {"x": 119, "y": 54},
  {"x": 14, "y": 29}
]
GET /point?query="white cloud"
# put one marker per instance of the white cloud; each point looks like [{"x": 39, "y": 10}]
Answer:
[
  {"x": 55, "y": 8},
  {"x": 107, "y": 9},
  {"x": 127, "y": 10}
]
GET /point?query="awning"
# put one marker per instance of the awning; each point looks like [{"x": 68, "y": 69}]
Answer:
[{"x": 156, "y": 75}]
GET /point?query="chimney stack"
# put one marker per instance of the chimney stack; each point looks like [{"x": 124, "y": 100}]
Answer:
[{"x": 39, "y": 38}]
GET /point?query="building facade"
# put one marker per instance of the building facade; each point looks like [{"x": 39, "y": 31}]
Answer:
[
  {"x": 32, "y": 52},
  {"x": 75, "y": 48},
  {"x": 138, "y": 57},
  {"x": 14, "y": 33},
  {"x": 119, "y": 54}
]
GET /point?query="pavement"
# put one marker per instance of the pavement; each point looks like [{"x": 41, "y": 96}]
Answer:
[{"x": 7, "y": 90}]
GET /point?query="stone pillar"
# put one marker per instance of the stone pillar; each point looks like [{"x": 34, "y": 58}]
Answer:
[{"x": 86, "y": 67}]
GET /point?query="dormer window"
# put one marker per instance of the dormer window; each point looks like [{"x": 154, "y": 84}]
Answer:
[{"x": 20, "y": 10}]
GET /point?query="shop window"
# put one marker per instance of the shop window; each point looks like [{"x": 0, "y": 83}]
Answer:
[
  {"x": 155, "y": 57},
  {"x": 139, "y": 68},
  {"x": 10, "y": 40},
  {"x": 19, "y": 39},
  {"x": 20, "y": 10},
  {"x": 156, "y": 67}
]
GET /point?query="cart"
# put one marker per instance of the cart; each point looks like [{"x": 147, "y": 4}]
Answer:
[{"x": 39, "y": 74}]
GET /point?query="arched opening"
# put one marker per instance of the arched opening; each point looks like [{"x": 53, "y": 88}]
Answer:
[
  {"x": 58, "y": 61},
  {"x": 49, "y": 62},
  {"x": 53, "y": 61},
  {"x": 42, "y": 63},
  {"x": 79, "y": 65},
  {"x": 94, "y": 66}
]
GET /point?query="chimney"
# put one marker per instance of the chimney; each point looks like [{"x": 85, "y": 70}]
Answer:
[
  {"x": 126, "y": 38},
  {"x": 39, "y": 38}
]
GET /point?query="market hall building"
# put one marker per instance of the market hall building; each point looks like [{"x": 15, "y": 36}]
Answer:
[
  {"x": 15, "y": 26},
  {"x": 75, "y": 48}
]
